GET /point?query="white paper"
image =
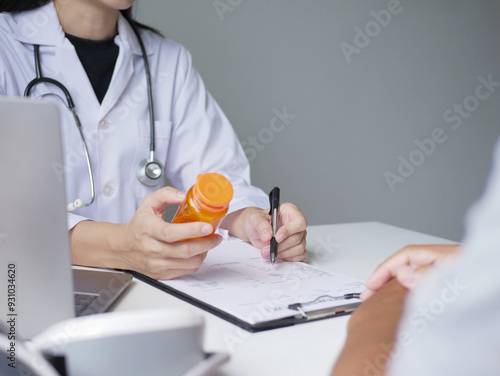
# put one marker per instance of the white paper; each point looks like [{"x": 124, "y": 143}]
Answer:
[{"x": 237, "y": 280}]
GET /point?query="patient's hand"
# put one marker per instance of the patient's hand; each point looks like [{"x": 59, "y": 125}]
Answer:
[{"x": 408, "y": 265}]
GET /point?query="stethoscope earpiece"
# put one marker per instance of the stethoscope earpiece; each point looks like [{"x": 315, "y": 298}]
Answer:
[{"x": 77, "y": 204}]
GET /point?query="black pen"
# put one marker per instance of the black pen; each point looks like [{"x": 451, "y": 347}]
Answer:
[{"x": 274, "y": 202}]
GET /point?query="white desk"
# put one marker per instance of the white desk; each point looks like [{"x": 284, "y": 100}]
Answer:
[{"x": 308, "y": 349}]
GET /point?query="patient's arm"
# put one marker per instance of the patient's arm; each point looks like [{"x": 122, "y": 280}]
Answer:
[{"x": 371, "y": 332}]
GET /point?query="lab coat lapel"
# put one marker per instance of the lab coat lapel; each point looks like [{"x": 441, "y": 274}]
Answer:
[
  {"x": 124, "y": 68},
  {"x": 41, "y": 26},
  {"x": 76, "y": 78},
  {"x": 123, "y": 72}
]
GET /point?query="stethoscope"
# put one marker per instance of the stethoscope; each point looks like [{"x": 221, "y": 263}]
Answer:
[{"x": 149, "y": 171}]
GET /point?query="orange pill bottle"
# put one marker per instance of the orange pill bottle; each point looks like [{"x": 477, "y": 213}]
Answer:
[{"x": 206, "y": 201}]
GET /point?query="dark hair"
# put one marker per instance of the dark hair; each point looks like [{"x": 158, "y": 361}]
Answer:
[
  {"x": 20, "y": 5},
  {"x": 23, "y": 5}
]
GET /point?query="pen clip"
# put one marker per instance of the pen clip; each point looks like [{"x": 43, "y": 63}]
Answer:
[{"x": 274, "y": 200}]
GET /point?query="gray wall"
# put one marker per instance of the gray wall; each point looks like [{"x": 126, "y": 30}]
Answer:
[{"x": 359, "y": 112}]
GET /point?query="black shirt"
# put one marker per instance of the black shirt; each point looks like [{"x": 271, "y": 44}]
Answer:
[{"x": 98, "y": 58}]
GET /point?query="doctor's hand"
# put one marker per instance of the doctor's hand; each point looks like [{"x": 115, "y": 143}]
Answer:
[
  {"x": 254, "y": 225},
  {"x": 157, "y": 248},
  {"x": 408, "y": 266},
  {"x": 147, "y": 243}
]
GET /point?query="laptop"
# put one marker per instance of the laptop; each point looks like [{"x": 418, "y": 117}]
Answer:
[{"x": 38, "y": 285}]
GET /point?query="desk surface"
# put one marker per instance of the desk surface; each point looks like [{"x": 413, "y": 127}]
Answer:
[{"x": 353, "y": 249}]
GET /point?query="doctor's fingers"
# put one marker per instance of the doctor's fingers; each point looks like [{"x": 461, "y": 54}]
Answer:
[
  {"x": 260, "y": 225},
  {"x": 169, "y": 268},
  {"x": 173, "y": 232},
  {"x": 182, "y": 250},
  {"x": 189, "y": 248},
  {"x": 292, "y": 221},
  {"x": 297, "y": 239},
  {"x": 158, "y": 200},
  {"x": 294, "y": 252},
  {"x": 292, "y": 248},
  {"x": 147, "y": 246}
]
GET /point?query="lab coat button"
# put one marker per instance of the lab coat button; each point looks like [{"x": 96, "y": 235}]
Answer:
[
  {"x": 108, "y": 190},
  {"x": 104, "y": 124}
]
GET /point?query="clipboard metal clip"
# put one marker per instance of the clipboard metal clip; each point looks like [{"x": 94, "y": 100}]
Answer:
[
  {"x": 298, "y": 307},
  {"x": 323, "y": 298}
]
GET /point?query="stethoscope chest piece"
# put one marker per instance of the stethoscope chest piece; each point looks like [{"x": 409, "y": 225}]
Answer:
[{"x": 150, "y": 172}]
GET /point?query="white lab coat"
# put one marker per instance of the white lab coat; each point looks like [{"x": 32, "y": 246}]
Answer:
[{"x": 192, "y": 134}]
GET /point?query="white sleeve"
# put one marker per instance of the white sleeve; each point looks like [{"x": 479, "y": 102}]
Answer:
[
  {"x": 203, "y": 140},
  {"x": 451, "y": 325},
  {"x": 74, "y": 219}
]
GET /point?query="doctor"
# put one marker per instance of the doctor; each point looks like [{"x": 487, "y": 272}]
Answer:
[{"x": 91, "y": 49}]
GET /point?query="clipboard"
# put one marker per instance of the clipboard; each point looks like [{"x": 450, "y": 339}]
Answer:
[{"x": 236, "y": 284}]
